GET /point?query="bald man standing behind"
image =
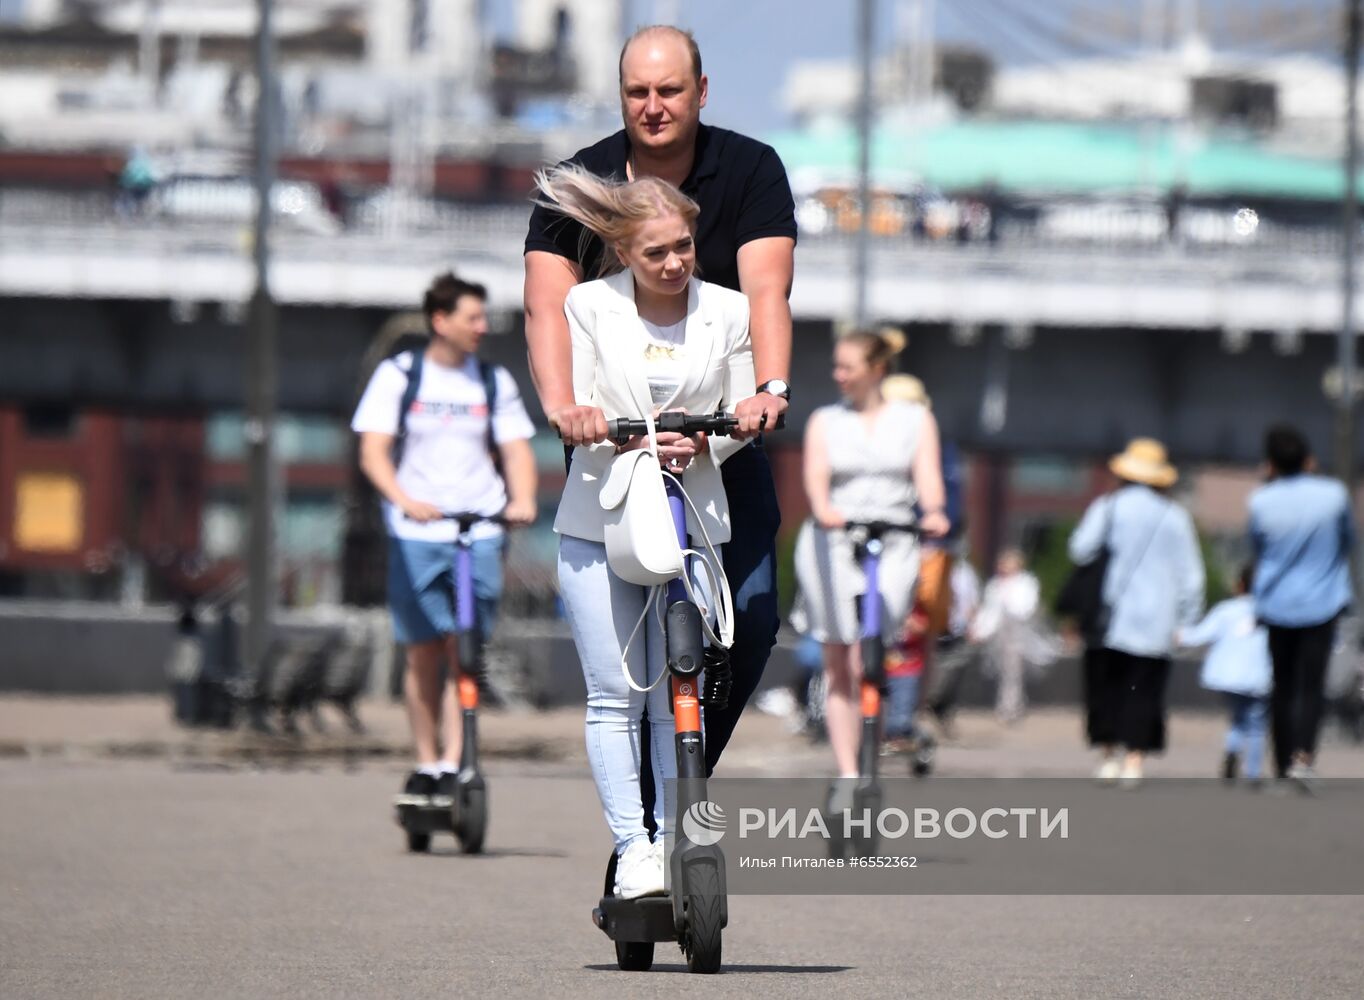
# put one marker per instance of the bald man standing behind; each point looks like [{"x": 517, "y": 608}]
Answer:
[{"x": 745, "y": 240}]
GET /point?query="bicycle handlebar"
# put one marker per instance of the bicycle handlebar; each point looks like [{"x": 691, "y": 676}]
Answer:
[{"x": 677, "y": 422}]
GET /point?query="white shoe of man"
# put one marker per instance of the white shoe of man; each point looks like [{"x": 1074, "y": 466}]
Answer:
[{"x": 639, "y": 871}]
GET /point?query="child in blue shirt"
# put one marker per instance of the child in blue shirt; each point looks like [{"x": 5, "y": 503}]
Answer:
[{"x": 1238, "y": 665}]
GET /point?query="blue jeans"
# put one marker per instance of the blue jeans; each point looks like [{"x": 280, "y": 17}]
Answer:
[
  {"x": 602, "y": 609},
  {"x": 1246, "y": 735},
  {"x": 903, "y": 698},
  {"x": 421, "y": 587}
]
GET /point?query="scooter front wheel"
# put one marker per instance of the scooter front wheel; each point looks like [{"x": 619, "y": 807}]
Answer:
[
  {"x": 703, "y": 913},
  {"x": 418, "y": 843},
  {"x": 635, "y": 956},
  {"x": 471, "y": 824}
]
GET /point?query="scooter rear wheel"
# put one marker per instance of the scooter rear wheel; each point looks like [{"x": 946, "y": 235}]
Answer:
[
  {"x": 921, "y": 761},
  {"x": 471, "y": 824},
  {"x": 418, "y": 843},
  {"x": 703, "y": 908},
  {"x": 635, "y": 956}
]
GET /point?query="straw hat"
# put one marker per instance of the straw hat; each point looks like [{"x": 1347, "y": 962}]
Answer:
[
  {"x": 905, "y": 389},
  {"x": 1145, "y": 461}
]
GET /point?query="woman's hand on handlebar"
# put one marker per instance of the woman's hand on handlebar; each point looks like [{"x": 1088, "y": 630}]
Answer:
[
  {"x": 579, "y": 425},
  {"x": 935, "y": 524},
  {"x": 676, "y": 451},
  {"x": 829, "y": 519},
  {"x": 416, "y": 510}
]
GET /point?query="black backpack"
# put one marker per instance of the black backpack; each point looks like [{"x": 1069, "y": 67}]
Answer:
[{"x": 487, "y": 373}]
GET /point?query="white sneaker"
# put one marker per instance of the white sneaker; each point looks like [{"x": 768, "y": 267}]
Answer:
[
  {"x": 1107, "y": 772},
  {"x": 661, "y": 859},
  {"x": 1131, "y": 777},
  {"x": 1305, "y": 777},
  {"x": 639, "y": 872}
]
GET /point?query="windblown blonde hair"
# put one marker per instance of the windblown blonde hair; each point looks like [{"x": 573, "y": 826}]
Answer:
[
  {"x": 879, "y": 346},
  {"x": 612, "y": 209}
]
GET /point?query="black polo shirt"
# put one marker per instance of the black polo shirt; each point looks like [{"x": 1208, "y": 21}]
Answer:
[{"x": 739, "y": 183}]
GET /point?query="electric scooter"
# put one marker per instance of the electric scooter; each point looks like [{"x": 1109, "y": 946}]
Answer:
[
  {"x": 864, "y": 798},
  {"x": 696, "y": 909},
  {"x": 465, "y": 813}
]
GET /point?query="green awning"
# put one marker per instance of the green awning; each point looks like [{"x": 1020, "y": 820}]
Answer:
[{"x": 1039, "y": 157}]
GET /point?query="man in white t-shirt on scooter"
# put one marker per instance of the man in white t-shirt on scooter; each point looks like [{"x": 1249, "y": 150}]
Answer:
[{"x": 434, "y": 427}]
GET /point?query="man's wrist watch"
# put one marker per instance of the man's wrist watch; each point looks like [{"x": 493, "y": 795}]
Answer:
[{"x": 777, "y": 387}]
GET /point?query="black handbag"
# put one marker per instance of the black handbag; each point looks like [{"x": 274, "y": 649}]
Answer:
[{"x": 1082, "y": 595}]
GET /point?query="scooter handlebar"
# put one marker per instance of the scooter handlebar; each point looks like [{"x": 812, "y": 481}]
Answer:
[
  {"x": 468, "y": 519},
  {"x": 677, "y": 422},
  {"x": 879, "y": 529}
]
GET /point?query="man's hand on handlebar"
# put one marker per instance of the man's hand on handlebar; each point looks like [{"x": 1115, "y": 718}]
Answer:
[
  {"x": 830, "y": 519},
  {"x": 520, "y": 512},
  {"x": 579, "y": 425},
  {"x": 416, "y": 510},
  {"x": 757, "y": 414},
  {"x": 934, "y": 524}
]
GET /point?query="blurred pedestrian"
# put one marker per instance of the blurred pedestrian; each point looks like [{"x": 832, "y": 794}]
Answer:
[
  {"x": 904, "y": 670},
  {"x": 1153, "y": 586},
  {"x": 1302, "y": 535},
  {"x": 935, "y": 554},
  {"x": 1237, "y": 665},
  {"x": 1007, "y": 626},
  {"x": 136, "y": 182},
  {"x": 440, "y": 432},
  {"x": 953, "y": 652},
  {"x": 867, "y": 459}
]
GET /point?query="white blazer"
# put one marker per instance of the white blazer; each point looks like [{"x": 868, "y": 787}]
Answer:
[{"x": 608, "y": 371}]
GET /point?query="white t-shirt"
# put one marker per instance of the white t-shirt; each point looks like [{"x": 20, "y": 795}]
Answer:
[
  {"x": 445, "y": 459},
  {"x": 665, "y": 359}
]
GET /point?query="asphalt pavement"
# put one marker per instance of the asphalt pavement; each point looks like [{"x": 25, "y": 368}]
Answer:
[{"x": 175, "y": 876}]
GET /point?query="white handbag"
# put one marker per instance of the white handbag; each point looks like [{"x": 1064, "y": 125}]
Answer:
[
  {"x": 642, "y": 547},
  {"x": 641, "y": 543}
]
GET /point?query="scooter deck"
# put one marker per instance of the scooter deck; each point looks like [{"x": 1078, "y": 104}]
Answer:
[
  {"x": 426, "y": 818},
  {"x": 646, "y": 919}
]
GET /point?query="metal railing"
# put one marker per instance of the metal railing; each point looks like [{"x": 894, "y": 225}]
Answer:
[{"x": 389, "y": 216}]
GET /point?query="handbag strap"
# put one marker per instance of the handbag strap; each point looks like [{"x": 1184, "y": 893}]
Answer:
[
  {"x": 1150, "y": 537},
  {"x": 715, "y": 570},
  {"x": 709, "y": 561}
]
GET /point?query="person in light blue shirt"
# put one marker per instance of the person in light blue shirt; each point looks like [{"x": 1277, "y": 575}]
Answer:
[
  {"x": 1302, "y": 534},
  {"x": 1237, "y": 664},
  {"x": 1153, "y": 587}
]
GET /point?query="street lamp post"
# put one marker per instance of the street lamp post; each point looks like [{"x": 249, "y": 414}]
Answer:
[
  {"x": 866, "y": 12},
  {"x": 1345, "y": 406},
  {"x": 261, "y": 378}
]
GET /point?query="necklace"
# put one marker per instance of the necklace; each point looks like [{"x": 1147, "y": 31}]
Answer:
[
  {"x": 664, "y": 342},
  {"x": 661, "y": 352}
]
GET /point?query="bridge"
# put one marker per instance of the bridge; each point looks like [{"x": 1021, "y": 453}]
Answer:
[
  {"x": 80, "y": 247},
  {"x": 1029, "y": 343}
]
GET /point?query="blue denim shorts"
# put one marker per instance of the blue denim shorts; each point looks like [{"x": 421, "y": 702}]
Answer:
[{"x": 421, "y": 587}]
